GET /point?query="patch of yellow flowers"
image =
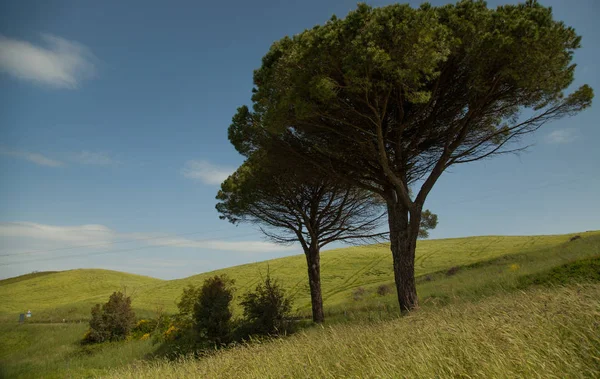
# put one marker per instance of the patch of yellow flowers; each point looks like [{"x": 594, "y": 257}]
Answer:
[
  {"x": 86, "y": 335},
  {"x": 171, "y": 333}
]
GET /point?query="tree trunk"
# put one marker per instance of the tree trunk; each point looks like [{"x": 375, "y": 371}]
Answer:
[
  {"x": 313, "y": 261},
  {"x": 403, "y": 241}
]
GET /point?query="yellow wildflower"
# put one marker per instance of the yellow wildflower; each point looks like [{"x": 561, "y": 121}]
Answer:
[{"x": 171, "y": 332}]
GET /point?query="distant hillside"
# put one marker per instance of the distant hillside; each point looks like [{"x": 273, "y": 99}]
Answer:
[
  {"x": 70, "y": 294},
  {"x": 65, "y": 293}
]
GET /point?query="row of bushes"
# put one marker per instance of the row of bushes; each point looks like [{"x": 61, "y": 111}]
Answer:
[{"x": 204, "y": 320}]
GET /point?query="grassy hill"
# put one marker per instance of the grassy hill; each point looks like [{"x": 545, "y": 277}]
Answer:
[
  {"x": 489, "y": 307},
  {"x": 64, "y": 294},
  {"x": 71, "y": 294}
]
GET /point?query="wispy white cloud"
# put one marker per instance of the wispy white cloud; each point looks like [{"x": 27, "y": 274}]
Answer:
[
  {"x": 36, "y": 158},
  {"x": 27, "y": 246},
  {"x": 93, "y": 158},
  {"x": 82, "y": 158},
  {"x": 72, "y": 235},
  {"x": 216, "y": 244},
  {"x": 92, "y": 235},
  {"x": 206, "y": 172},
  {"x": 561, "y": 136},
  {"x": 61, "y": 63}
]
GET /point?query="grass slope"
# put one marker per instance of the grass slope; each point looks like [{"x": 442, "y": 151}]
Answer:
[
  {"x": 53, "y": 351},
  {"x": 70, "y": 294},
  {"x": 541, "y": 333}
]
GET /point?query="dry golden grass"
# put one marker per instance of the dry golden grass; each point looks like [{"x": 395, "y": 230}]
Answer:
[{"x": 540, "y": 333}]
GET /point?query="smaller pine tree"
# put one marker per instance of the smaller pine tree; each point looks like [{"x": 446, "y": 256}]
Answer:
[
  {"x": 267, "y": 309},
  {"x": 112, "y": 321},
  {"x": 212, "y": 313}
]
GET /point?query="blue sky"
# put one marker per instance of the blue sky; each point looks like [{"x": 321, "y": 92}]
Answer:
[{"x": 113, "y": 137}]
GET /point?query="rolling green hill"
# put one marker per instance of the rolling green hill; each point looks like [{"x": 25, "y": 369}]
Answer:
[
  {"x": 488, "y": 305},
  {"x": 64, "y": 294},
  {"x": 70, "y": 294}
]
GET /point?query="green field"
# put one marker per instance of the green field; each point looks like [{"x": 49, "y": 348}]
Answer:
[
  {"x": 70, "y": 294},
  {"x": 478, "y": 286}
]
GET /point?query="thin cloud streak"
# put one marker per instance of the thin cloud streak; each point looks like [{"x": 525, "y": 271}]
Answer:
[
  {"x": 561, "y": 136},
  {"x": 215, "y": 244},
  {"x": 206, "y": 172},
  {"x": 93, "y": 158},
  {"x": 36, "y": 158},
  {"x": 76, "y": 235},
  {"x": 24, "y": 236},
  {"x": 88, "y": 158}
]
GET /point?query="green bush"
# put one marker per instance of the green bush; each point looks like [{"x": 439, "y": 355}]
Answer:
[
  {"x": 212, "y": 313},
  {"x": 112, "y": 321},
  {"x": 144, "y": 328},
  {"x": 267, "y": 309}
]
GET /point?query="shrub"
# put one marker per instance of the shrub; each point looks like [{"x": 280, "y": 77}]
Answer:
[
  {"x": 384, "y": 289},
  {"x": 358, "y": 293},
  {"x": 186, "y": 302},
  {"x": 452, "y": 270},
  {"x": 171, "y": 333},
  {"x": 574, "y": 238},
  {"x": 145, "y": 326},
  {"x": 212, "y": 313},
  {"x": 111, "y": 321},
  {"x": 267, "y": 309}
]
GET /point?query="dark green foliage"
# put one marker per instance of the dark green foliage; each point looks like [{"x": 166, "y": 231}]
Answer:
[
  {"x": 573, "y": 272},
  {"x": 428, "y": 222},
  {"x": 98, "y": 331},
  {"x": 267, "y": 309},
  {"x": 112, "y": 321},
  {"x": 212, "y": 313},
  {"x": 204, "y": 320},
  {"x": 389, "y": 98},
  {"x": 296, "y": 204},
  {"x": 187, "y": 300},
  {"x": 145, "y": 326}
]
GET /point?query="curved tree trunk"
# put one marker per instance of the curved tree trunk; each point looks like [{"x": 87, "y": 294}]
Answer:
[
  {"x": 313, "y": 261},
  {"x": 403, "y": 241}
]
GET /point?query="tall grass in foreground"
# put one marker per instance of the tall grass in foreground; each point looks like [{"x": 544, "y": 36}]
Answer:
[
  {"x": 543, "y": 333},
  {"x": 53, "y": 351}
]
